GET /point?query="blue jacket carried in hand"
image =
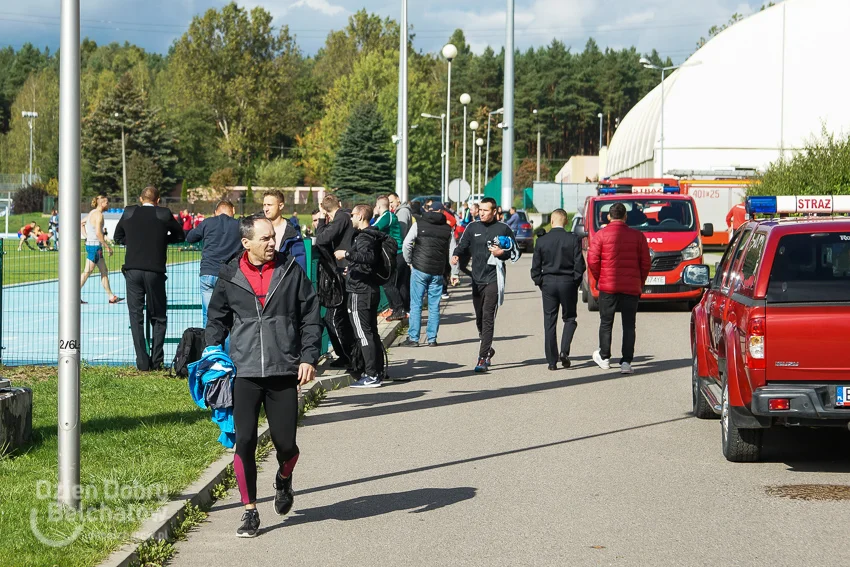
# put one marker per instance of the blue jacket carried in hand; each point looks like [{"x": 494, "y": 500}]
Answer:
[{"x": 211, "y": 387}]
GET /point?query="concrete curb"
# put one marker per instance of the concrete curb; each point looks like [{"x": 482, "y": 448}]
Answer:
[{"x": 161, "y": 524}]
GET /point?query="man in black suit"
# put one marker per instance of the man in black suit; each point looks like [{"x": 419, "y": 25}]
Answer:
[
  {"x": 557, "y": 269},
  {"x": 146, "y": 231}
]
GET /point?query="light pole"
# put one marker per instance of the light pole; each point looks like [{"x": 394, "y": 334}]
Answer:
[
  {"x": 599, "y": 116},
  {"x": 449, "y": 52},
  {"x": 465, "y": 99},
  {"x": 534, "y": 112},
  {"x": 487, "y": 158},
  {"x": 30, "y": 116},
  {"x": 473, "y": 126},
  {"x": 442, "y": 119},
  {"x": 401, "y": 152},
  {"x": 123, "y": 163},
  {"x": 479, "y": 142},
  {"x": 649, "y": 65},
  {"x": 508, "y": 131}
]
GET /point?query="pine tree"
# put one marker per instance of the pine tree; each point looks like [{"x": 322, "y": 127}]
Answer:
[
  {"x": 144, "y": 134},
  {"x": 363, "y": 164}
]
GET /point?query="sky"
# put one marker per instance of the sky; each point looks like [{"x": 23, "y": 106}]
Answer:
[{"x": 670, "y": 26}]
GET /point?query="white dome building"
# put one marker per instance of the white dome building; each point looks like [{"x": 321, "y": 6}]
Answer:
[{"x": 758, "y": 90}]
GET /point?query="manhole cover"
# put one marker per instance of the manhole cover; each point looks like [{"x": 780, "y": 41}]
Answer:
[{"x": 810, "y": 491}]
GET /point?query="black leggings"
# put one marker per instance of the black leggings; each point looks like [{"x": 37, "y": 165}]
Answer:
[{"x": 279, "y": 396}]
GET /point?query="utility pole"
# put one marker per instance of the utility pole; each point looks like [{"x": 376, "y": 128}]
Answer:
[
  {"x": 123, "y": 163},
  {"x": 538, "y": 143},
  {"x": 508, "y": 130},
  {"x": 30, "y": 116},
  {"x": 69, "y": 257}
]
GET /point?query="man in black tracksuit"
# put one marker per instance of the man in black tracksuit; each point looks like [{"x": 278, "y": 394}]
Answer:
[
  {"x": 488, "y": 271},
  {"x": 146, "y": 231},
  {"x": 334, "y": 232},
  {"x": 557, "y": 269},
  {"x": 267, "y": 306},
  {"x": 364, "y": 294}
]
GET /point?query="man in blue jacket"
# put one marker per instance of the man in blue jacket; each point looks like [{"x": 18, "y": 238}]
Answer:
[{"x": 220, "y": 235}]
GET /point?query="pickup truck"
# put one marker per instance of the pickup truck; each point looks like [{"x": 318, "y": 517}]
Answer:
[{"x": 770, "y": 333}]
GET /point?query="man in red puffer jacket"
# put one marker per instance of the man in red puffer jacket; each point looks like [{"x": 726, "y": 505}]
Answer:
[{"x": 619, "y": 260}]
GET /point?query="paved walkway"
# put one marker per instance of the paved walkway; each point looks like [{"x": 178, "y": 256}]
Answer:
[{"x": 523, "y": 466}]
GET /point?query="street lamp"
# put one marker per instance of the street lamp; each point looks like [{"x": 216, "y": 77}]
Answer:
[
  {"x": 487, "y": 158},
  {"x": 534, "y": 112},
  {"x": 599, "y": 116},
  {"x": 449, "y": 52},
  {"x": 649, "y": 65},
  {"x": 465, "y": 99},
  {"x": 473, "y": 126},
  {"x": 30, "y": 116},
  {"x": 402, "y": 150},
  {"x": 123, "y": 162},
  {"x": 479, "y": 142},
  {"x": 442, "y": 119}
]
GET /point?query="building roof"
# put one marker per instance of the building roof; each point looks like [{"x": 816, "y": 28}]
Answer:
[{"x": 758, "y": 90}]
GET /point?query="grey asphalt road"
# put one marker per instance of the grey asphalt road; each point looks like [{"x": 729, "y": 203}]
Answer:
[{"x": 524, "y": 466}]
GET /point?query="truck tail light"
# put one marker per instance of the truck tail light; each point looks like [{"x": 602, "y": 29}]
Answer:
[
  {"x": 779, "y": 404},
  {"x": 756, "y": 342}
]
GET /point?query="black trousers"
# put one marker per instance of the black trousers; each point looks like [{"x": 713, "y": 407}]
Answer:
[
  {"x": 485, "y": 300},
  {"x": 627, "y": 305},
  {"x": 279, "y": 396},
  {"x": 559, "y": 295},
  {"x": 340, "y": 331},
  {"x": 146, "y": 290},
  {"x": 363, "y": 312}
]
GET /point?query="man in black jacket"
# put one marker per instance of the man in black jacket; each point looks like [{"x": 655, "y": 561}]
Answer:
[
  {"x": 364, "y": 294},
  {"x": 267, "y": 306},
  {"x": 146, "y": 231},
  {"x": 489, "y": 242},
  {"x": 557, "y": 268},
  {"x": 334, "y": 231},
  {"x": 426, "y": 249},
  {"x": 222, "y": 242}
]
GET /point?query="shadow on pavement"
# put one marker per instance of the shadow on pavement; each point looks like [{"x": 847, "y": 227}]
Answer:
[
  {"x": 416, "y": 501},
  {"x": 372, "y": 398},
  {"x": 476, "y": 339}
]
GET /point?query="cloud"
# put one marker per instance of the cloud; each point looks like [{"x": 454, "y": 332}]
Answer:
[{"x": 322, "y": 6}]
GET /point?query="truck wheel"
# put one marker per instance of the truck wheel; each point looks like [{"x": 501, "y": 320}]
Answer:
[
  {"x": 592, "y": 302},
  {"x": 739, "y": 445},
  {"x": 702, "y": 409}
]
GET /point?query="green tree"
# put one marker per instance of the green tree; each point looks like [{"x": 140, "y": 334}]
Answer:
[
  {"x": 821, "y": 168},
  {"x": 145, "y": 134},
  {"x": 278, "y": 173},
  {"x": 363, "y": 163},
  {"x": 142, "y": 172}
]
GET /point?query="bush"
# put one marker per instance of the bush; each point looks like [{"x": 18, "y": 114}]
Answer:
[
  {"x": 278, "y": 173},
  {"x": 30, "y": 199},
  {"x": 223, "y": 178},
  {"x": 821, "y": 168}
]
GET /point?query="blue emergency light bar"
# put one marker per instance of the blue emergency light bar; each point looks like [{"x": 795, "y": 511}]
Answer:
[
  {"x": 822, "y": 204},
  {"x": 761, "y": 205},
  {"x": 607, "y": 191}
]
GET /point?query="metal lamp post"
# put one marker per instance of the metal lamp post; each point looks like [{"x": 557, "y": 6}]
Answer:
[
  {"x": 401, "y": 152},
  {"x": 30, "y": 116},
  {"x": 487, "y": 157},
  {"x": 442, "y": 119},
  {"x": 599, "y": 116},
  {"x": 465, "y": 99},
  {"x": 123, "y": 163},
  {"x": 449, "y": 52},
  {"x": 508, "y": 130},
  {"x": 648, "y": 65},
  {"x": 479, "y": 142},
  {"x": 473, "y": 126},
  {"x": 534, "y": 112}
]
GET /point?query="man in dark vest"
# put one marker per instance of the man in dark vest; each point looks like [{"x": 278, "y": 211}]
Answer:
[
  {"x": 426, "y": 249},
  {"x": 557, "y": 269},
  {"x": 146, "y": 231}
]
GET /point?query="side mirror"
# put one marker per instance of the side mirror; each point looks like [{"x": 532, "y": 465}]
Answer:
[
  {"x": 696, "y": 275},
  {"x": 707, "y": 230},
  {"x": 578, "y": 228}
]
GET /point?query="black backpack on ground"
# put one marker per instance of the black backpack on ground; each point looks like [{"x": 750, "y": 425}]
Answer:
[
  {"x": 189, "y": 350},
  {"x": 386, "y": 265}
]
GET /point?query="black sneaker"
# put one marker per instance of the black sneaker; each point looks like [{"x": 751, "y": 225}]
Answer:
[
  {"x": 398, "y": 315},
  {"x": 408, "y": 343},
  {"x": 250, "y": 524},
  {"x": 565, "y": 360},
  {"x": 283, "y": 495},
  {"x": 490, "y": 354},
  {"x": 432, "y": 343},
  {"x": 553, "y": 367}
]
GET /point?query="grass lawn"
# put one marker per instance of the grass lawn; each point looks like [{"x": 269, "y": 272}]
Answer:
[
  {"x": 141, "y": 433},
  {"x": 29, "y": 266}
]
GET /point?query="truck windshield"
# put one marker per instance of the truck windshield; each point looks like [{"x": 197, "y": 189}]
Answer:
[
  {"x": 810, "y": 268},
  {"x": 650, "y": 215}
]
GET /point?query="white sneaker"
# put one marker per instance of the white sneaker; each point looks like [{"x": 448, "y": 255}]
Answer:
[
  {"x": 626, "y": 368},
  {"x": 601, "y": 362}
]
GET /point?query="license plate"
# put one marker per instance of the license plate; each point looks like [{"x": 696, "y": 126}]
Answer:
[
  {"x": 655, "y": 280},
  {"x": 842, "y": 396}
]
